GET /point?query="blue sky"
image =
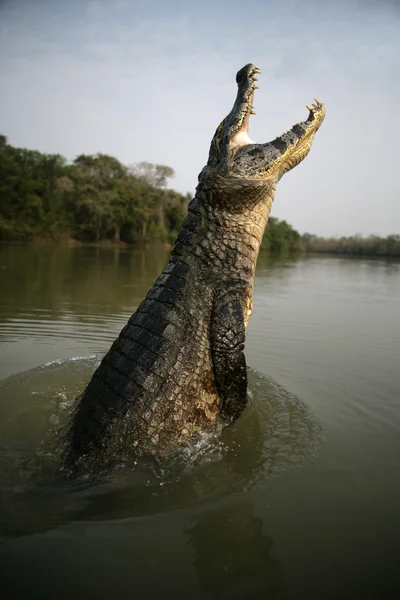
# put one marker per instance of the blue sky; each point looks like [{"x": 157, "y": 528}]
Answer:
[{"x": 144, "y": 80}]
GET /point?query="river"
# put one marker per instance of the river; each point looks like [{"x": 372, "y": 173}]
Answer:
[{"x": 299, "y": 499}]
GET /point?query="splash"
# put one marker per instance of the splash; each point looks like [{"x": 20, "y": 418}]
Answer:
[{"x": 276, "y": 433}]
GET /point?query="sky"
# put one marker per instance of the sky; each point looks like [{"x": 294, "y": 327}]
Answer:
[{"x": 150, "y": 80}]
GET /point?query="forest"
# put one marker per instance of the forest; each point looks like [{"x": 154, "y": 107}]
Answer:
[
  {"x": 96, "y": 198},
  {"x": 355, "y": 245}
]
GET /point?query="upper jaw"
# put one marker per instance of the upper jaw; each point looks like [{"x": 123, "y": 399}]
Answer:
[
  {"x": 233, "y": 129},
  {"x": 243, "y": 107}
]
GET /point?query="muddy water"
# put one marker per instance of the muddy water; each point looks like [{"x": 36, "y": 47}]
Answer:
[{"x": 299, "y": 499}]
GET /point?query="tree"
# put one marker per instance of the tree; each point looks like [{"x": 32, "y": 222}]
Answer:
[
  {"x": 155, "y": 175},
  {"x": 280, "y": 237},
  {"x": 96, "y": 197}
]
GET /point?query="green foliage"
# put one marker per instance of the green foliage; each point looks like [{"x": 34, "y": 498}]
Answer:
[
  {"x": 97, "y": 198},
  {"x": 354, "y": 245},
  {"x": 29, "y": 202},
  {"x": 281, "y": 238},
  {"x": 94, "y": 198}
]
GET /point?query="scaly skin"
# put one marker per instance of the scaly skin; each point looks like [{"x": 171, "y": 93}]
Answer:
[{"x": 178, "y": 364}]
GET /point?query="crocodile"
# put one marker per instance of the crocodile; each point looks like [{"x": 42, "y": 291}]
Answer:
[{"x": 178, "y": 366}]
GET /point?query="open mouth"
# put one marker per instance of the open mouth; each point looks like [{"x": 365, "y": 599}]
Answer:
[
  {"x": 284, "y": 152},
  {"x": 243, "y": 107},
  {"x": 232, "y": 149}
]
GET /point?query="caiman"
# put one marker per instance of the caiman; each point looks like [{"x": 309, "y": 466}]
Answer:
[{"x": 178, "y": 365}]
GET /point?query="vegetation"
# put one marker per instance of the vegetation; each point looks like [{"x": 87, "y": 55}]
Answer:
[
  {"x": 92, "y": 199},
  {"x": 97, "y": 198},
  {"x": 354, "y": 245},
  {"x": 281, "y": 238}
]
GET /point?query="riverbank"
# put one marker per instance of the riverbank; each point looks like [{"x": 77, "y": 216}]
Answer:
[{"x": 355, "y": 245}]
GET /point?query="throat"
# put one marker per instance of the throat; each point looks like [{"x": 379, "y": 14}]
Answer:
[{"x": 241, "y": 138}]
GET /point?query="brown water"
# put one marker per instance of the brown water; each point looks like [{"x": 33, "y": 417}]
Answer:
[{"x": 299, "y": 499}]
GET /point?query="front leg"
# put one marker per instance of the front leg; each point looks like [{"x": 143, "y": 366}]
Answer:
[{"x": 227, "y": 345}]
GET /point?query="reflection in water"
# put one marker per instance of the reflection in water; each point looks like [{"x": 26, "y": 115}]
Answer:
[
  {"x": 59, "y": 278},
  {"x": 60, "y": 301},
  {"x": 233, "y": 555}
]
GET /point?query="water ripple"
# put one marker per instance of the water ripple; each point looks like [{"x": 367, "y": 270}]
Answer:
[{"x": 276, "y": 433}]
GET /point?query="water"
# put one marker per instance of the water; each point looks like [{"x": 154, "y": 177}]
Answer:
[{"x": 300, "y": 499}]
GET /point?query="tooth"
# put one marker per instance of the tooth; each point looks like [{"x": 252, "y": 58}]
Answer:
[
  {"x": 257, "y": 70},
  {"x": 256, "y": 79},
  {"x": 252, "y": 112},
  {"x": 256, "y": 87}
]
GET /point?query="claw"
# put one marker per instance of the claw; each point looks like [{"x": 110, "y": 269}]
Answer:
[
  {"x": 318, "y": 102},
  {"x": 256, "y": 70},
  {"x": 252, "y": 112},
  {"x": 256, "y": 87},
  {"x": 309, "y": 108},
  {"x": 255, "y": 78}
]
